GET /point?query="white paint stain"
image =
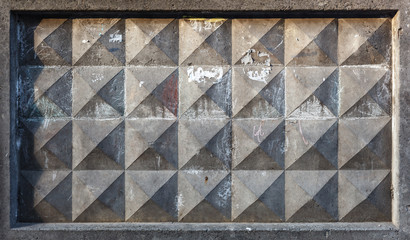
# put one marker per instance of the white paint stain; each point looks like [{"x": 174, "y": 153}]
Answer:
[
  {"x": 258, "y": 133},
  {"x": 96, "y": 77},
  {"x": 142, "y": 82},
  {"x": 54, "y": 176},
  {"x": 200, "y": 75},
  {"x": 200, "y": 25},
  {"x": 46, "y": 160},
  {"x": 180, "y": 201},
  {"x": 85, "y": 41},
  {"x": 159, "y": 161},
  {"x": 115, "y": 37},
  {"x": 247, "y": 59},
  {"x": 260, "y": 76},
  {"x": 301, "y": 133},
  {"x": 248, "y": 229}
]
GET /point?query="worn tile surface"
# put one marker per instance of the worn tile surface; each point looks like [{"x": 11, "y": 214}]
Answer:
[{"x": 205, "y": 120}]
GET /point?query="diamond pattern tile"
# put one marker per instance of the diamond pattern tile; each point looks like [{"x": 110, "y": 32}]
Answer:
[{"x": 204, "y": 120}]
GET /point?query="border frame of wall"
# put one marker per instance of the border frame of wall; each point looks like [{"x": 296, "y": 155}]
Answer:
[{"x": 399, "y": 228}]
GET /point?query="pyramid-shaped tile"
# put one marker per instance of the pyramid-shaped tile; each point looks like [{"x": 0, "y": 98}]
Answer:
[
  {"x": 98, "y": 195},
  {"x": 98, "y": 92},
  {"x": 311, "y": 196},
  {"x": 46, "y": 145},
  {"x": 358, "y": 139},
  {"x": 364, "y": 195},
  {"x": 98, "y": 144},
  {"x": 256, "y": 90},
  {"x": 44, "y": 196},
  {"x": 311, "y": 42},
  {"x": 365, "y": 92},
  {"x": 205, "y": 42},
  {"x": 152, "y": 42},
  {"x": 322, "y": 155},
  {"x": 364, "y": 41},
  {"x": 253, "y": 191},
  {"x": 152, "y": 196},
  {"x": 265, "y": 102},
  {"x": 205, "y": 92},
  {"x": 312, "y": 92},
  {"x": 302, "y": 135},
  {"x": 151, "y": 144},
  {"x": 258, "y": 144},
  {"x": 52, "y": 41},
  {"x": 204, "y": 196},
  {"x": 204, "y": 145},
  {"x": 109, "y": 152},
  {"x": 47, "y": 92},
  {"x": 257, "y": 41},
  {"x": 98, "y": 41},
  {"x": 151, "y": 92}
]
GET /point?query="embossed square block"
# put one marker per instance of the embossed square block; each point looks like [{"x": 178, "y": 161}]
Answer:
[{"x": 204, "y": 120}]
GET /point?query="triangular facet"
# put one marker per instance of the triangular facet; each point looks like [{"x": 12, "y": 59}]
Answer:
[
  {"x": 204, "y": 212},
  {"x": 205, "y": 55},
  {"x": 167, "y": 92},
  {"x": 366, "y": 54},
  {"x": 311, "y": 55},
  {"x": 113, "y": 92},
  {"x": 151, "y": 212},
  {"x": 273, "y": 40},
  {"x": 151, "y": 55},
  {"x": 60, "y": 92},
  {"x": 150, "y": 181},
  {"x": 97, "y": 108},
  {"x": 311, "y": 108},
  {"x": 114, "y": 40},
  {"x": 221, "y": 196},
  {"x": 167, "y": 144},
  {"x": 166, "y": 197},
  {"x": 204, "y": 160},
  {"x": 151, "y": 107},
  {"x": 312, "y": 160},
  {"x": 258, "y": 212},
  {"x": 220, "y": 93},
  {"x": 151, "y": 160},
  {"x": 167, "y": 40},
  {"x": 311, "y": 212},
  {"x": 258, "y": 160},
  {"x": 257, "y": 181},
  {"x": 98, "y": 55}
]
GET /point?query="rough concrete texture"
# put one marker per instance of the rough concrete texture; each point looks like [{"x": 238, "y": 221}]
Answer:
[
  {"x": 297, "y": 130},
  {"x": 248, "y": 230}
]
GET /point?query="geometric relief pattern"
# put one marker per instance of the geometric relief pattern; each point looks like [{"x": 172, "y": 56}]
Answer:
[{"x": 205, "y": 120}]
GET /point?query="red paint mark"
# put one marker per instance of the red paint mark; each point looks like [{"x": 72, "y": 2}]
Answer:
[{"x": 170, "y": 94}]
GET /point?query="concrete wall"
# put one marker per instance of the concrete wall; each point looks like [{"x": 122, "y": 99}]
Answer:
[{"x": 400, "y": 214}]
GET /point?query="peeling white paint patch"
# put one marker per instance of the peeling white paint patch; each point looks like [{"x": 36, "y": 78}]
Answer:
[
  {"x": 180, "y": 200},
  {"x": 260, "y": 76},
  {"x": 200, "y": 75},
  {"x": 115, "y": 37},
  {"x": 142, "y": 82},
  {"x": 247, "y": 59}
]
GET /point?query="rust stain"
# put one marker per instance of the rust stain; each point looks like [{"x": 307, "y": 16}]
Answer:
[{"x": 170, "y": 94}]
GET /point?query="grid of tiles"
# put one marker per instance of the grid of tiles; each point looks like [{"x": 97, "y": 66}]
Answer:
[{"x": 204, "y": 120}]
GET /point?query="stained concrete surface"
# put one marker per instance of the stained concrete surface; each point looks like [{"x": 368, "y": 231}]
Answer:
[{"x": 313, "y": 99}]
